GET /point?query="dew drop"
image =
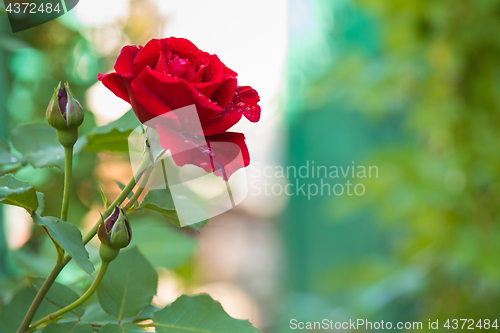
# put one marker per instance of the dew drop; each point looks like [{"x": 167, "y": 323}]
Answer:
[{"x": 241, "y": 104}]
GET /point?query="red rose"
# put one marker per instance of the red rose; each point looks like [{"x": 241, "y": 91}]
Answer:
[{"x": 171, "y": 73}]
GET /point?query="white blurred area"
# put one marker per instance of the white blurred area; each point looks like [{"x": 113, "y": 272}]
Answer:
[{"x": 239, "y": 256}]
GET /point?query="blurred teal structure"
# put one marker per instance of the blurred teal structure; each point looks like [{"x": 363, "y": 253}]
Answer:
[{"x": 412, "y": 88}]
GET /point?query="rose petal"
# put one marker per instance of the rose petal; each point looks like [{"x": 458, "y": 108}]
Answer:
[
  {"x": 147, "y": 56},
  {"x": 177, "y": 93},
  {"x": 185, "y": 149},
  {"x": 125, "y": 62},
  {"x": 223, "y": 154},
  {"x": 161, "y": 65},
  {"x": 178, "y": 67},
  {"x": 213, "y": 73},
  {"x": 190, "y": 73},
  {"x": 178, "y": 45},
  {"x": 225, "y": 92},
  {"x": 227, "y": 70},
  {"x": 221, "y": 122},
  {"x": 229, "y": 153},
  {"x": 207, "y": 88},
  {"x": 117, "y": 83},
  {"x": 246, "y": 98},
  {"x": 244, "y": 103},
  {"x": 146, "y": 105}
]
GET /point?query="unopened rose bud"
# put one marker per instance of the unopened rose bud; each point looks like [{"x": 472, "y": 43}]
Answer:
[
  {"x": 114, "y": 233},
  {"x": 65, "y": 114},
  {"x": 115, "y": 230}
]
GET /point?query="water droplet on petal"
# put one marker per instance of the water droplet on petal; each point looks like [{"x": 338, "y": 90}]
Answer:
[{"x": 241, "y": 104}]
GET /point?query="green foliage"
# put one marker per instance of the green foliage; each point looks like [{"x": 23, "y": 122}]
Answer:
[
  {"x": 32, "y": 263},
  {"x": 122, "y": 186},
  {"x": 124, "y": 328},
  {"x": 114, "y": 136},
  {"x": 59, "y": 294},
  {"x": 198, "y": 313},
  {"x": 13, "y": 313},
  {"x": 6, "y": 156},
  {"x": 161, "y": 201},
  {"x": 128, "y": 286},
  {"x": 16, "y": 192},
  {"x": 432, "y": 76},
  {"x": 39, "y": 144},
  {"x": 163, "y": 245},
  {"x": 68, "y": 327},
  {"x": 41, "y": 202},
  {"x": 68, "y": 237}
]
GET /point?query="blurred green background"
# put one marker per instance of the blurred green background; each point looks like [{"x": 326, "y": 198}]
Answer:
[{"x": 412, "y": 87}]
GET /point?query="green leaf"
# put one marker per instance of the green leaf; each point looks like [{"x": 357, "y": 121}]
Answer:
[
  {"x": 161, "y": 201},
  {"x": 124, "y": 328},
  {"x": 13, "y": 313},
  {"x": 30, "y": 262},
  {"x": 103, "y": 195},
  {"x": 38, "y": 142},
  {"x": 16, "y": 192},
  {"x": 162, "y": 244},
  {"x": 68, "y": 327},
  {"x": 114, "y": 136},
  {"x": 122, "y": 186},
  {"x": 58, "y": 294},
  {"x": 128, "y": 286},
  {"x": 41, "y": 203},
  {"x": 6, "y": 156},
  {"x": 68, "y": 237},
  {"x": 146, "y": 313},
  {"x": 198, "y": 313},
  {"x": 95, "y": 314},
  {"x": 114, "y": 140}
]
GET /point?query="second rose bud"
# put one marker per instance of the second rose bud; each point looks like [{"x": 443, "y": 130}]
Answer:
[{"x": 114, "y": 233}]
